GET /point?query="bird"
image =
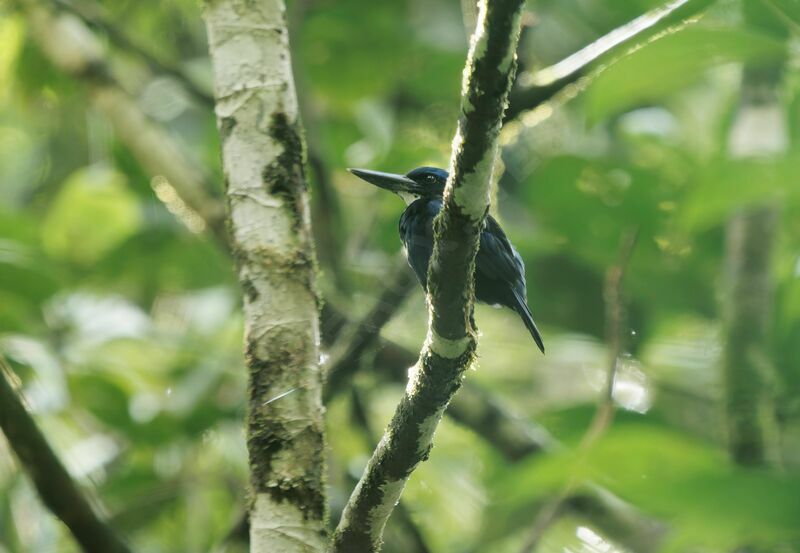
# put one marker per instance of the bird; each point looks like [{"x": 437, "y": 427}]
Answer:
[{"x": 499, "y": 269}]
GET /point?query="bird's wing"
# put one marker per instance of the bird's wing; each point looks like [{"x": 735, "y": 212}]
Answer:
[
  {"x": 497, "y": 259},
  {"x": 416, "y": 232}
]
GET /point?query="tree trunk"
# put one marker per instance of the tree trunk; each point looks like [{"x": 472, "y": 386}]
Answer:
[
  {"x": 759, "y": 130},
  {"x": 270, "y": 235}
]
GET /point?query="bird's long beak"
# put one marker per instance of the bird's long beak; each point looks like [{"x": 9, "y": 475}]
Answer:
[{"x": 388, "y": 181}]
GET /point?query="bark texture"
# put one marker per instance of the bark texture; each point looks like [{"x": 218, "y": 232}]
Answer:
[
  {"x": 450, "y": 347},
  {"x": 262, "y": 155},
  {"x": 54, "y": 484}
]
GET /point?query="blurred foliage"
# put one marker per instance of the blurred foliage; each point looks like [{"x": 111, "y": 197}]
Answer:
[{"x": 125, "y": 327}]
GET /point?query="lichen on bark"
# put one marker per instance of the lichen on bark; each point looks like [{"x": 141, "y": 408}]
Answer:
[
  {"x": 263, "y": 155},
  {"x": 449, "y": 349}
]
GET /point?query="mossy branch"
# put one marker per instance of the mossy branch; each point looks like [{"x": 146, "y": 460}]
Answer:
[
  {"x": 450, "y": 347},
  {"x": 57, "y": 489},
  {"x": 270, "y": 237}
]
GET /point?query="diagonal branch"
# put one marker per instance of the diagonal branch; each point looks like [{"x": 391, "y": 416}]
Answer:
[
  {"x": 604, "y": 413},
  {"x": 55, "y": 486},
  {"x": 536, "y": 88},
  {"x": 348, "y": 350},
  {"x": 361, "y": 419},
  {"x": 515, "y": 439},
  {"x": 450, "y": 347},
  {"x": 71, "y": 46}
]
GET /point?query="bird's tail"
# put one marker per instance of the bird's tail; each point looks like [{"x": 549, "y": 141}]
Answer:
[{"x": 521, "y": 307}]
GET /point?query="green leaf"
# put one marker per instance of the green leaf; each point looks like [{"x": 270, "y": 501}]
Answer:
[
  {"x": 670, "y": 63},
  {"x": 11, "y": 37},
  {"x": 706, "y": 499},
  {"x": 728, "y": 185},
  {"x": 93, "y": 212}
]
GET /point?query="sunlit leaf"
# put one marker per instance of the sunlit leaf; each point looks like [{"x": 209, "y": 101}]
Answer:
[
  {"x": 92, "y": 213},
  {"x": 707, "y": 500},
  {"x": 11, "y": 34},
  {"x": 726, "y": 186},
  {"x": 671, "y": 62}
]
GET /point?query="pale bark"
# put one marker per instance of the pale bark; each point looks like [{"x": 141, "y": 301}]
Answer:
[
  {"x": 262, "y": 155},
  {"x": 450, "y": 346}
]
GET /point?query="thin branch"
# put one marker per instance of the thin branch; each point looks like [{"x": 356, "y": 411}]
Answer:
[
  {"x": 95, "y": 15},
  {"x": 361, "y": 418},
  {"x": 781, "y": 13},
  {"x": 178, "y": 181},
  {"x": 473, "y": 407},
  {"x": 615, "y": 317},
  {"x": 55, "y": 486},
  {"x": 329, "y": 224},
  {"x": 485, "y": 414},
  {"x": 516, "y": 438},
  {"x": 615, "y": 323},
  {"x": 536, "y": 88},
  {"x": 349, "y": 349},
  {"x": 326, "y": 210},
  {"x": 616, "y": 519},
  {"x": 449, "y": 349}
]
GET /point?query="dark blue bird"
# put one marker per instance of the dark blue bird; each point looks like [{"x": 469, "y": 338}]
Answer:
[{"x": 499, "y": 270}]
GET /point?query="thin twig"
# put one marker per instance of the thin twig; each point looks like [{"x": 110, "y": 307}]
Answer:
[
  {"x": 55, "y": 486},
  {"x": 537, "y": 88},
  {"x": 326, "y": 211},
  {"x": 347, "y": 353},
  {"x": 328, "y": 222},
  {"x": 615, "y": 321},
  {"x": 779, "y": 12},
  {"x": 615, "y": 316},
  {"x": 94, "y": 15}
]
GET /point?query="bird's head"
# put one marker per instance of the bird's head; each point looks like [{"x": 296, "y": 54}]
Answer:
[{"x": 422, "y": 182}]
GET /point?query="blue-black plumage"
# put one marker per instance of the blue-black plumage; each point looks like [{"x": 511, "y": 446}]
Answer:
[{"x": 499, "y": 270}]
